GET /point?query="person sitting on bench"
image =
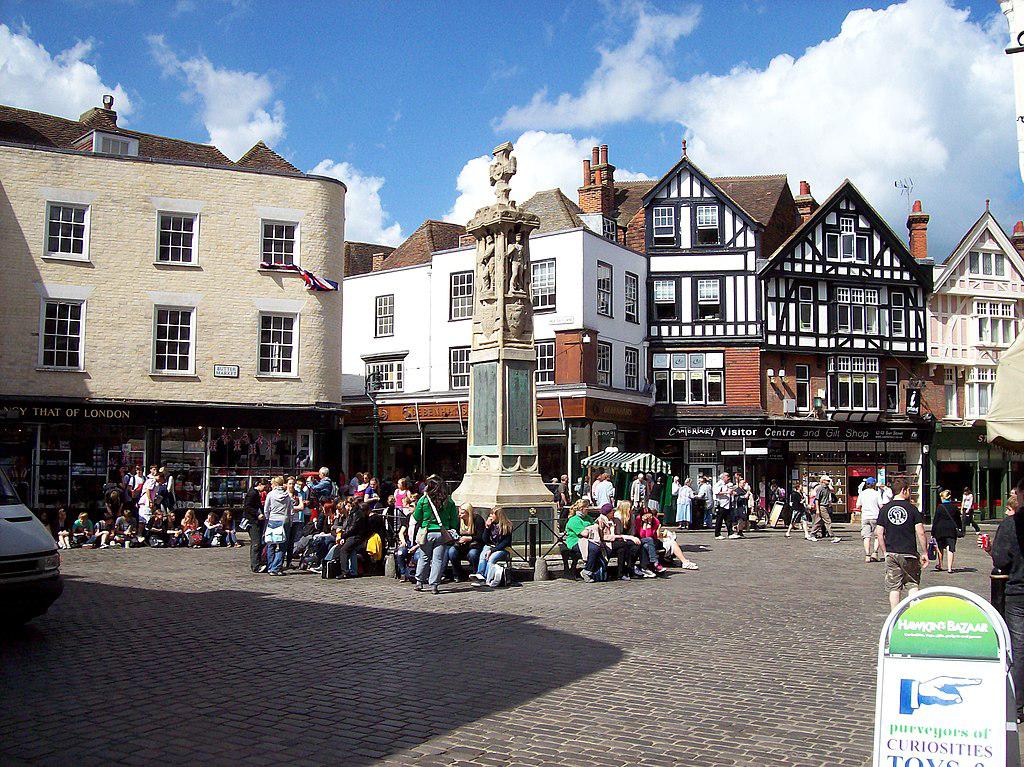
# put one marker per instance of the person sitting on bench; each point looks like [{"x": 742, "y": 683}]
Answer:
[{"x": 571, "y": 549}]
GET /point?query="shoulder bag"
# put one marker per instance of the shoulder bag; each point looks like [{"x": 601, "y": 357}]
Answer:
[{"x": 447, "y": 536}]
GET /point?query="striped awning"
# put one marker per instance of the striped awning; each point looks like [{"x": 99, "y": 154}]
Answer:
[{"x": 617, "y": 459}]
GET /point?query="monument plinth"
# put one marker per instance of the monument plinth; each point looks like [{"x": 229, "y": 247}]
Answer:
[{"x": 502, "y": 463}]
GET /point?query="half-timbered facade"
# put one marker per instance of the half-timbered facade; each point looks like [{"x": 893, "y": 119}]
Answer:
[
  {"x": 846, "y": 342},
  {"x": 974, "y": 314}
]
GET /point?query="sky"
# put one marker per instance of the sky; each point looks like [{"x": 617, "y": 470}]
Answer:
[{"x": 404, "y": 100}]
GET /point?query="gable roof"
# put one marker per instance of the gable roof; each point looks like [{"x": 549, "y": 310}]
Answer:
[
  {"x": 757, "y": 195},
  {"x": 262, "y": 157},
  {"x": 429, "y": 237},
  {"x": 359, "y": 256},
  {"x": 22, "y": 126},
  {"x": 847, "y": 187},
  {"x": 986, "y": 221},
  {"x": 555, "y": 211}
]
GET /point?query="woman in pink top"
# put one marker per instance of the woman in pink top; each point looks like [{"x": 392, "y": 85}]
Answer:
[{"x": 648, "y": 529}]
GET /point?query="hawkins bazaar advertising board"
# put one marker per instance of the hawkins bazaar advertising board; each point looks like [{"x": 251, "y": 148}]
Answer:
[{"x": 944, "y": 696}]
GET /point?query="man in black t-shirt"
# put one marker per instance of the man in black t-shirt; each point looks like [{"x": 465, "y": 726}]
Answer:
[{"x": 900, "y": 534}]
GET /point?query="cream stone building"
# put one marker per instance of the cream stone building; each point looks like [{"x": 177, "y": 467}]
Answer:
[{"x": 142, "y": 324}]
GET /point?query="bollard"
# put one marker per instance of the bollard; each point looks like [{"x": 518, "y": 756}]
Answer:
[
  {"x": 390, "y": 571},
  {"x": 540, "y": 570},
  {"x": 531, "y": 538}
]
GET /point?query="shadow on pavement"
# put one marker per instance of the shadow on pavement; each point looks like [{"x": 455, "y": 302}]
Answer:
[{"x": 224, "y": 677}]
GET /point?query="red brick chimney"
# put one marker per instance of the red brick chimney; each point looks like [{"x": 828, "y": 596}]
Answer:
[
  {"x": 917, "y": 225},
  {"x": 805, "y": 203},
  {"x": 104, "y": 117},
  {"x": 1017, "y": 238},
  {"x": 597, "y": 195}
]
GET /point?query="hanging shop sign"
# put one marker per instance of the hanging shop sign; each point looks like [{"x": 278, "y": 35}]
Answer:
[
  {"x": 913, "y": 402},
  {"x": 944, "y": 695}
]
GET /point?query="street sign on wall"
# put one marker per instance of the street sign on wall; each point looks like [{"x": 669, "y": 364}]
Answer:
[{"x": 944, "y": 695}]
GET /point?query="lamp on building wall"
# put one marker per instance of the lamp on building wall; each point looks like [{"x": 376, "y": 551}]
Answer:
[{"x": 374, "y": 384}]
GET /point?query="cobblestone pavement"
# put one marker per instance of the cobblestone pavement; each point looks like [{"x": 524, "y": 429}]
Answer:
[{"x": 766, "y": 656}]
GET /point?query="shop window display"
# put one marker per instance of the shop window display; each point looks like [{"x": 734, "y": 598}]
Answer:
[
  {"x": 237, "y": 456},
  {"x": 183, "y": 454},
  {"x": 74, "y": 462}
]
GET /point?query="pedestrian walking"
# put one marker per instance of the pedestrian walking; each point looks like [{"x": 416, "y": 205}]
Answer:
[
  {"x": 602, "y": 492},
  {"x": 278, "y": 510},
  {"x": 821, "y": 503},
  {"x": 252, "y": 512},
  {"x": 946, "y": 528},
  {"x": 900, "y": 533},
  {"x": 638, "y": 494},
  {"x": 799, "y": 513},
  {"x": 723, "y": 494},
  {"x": 684, "y": 503},
  {"x": 967, "y": 511},
  {"x": 1008, "y": 557},
  {"x": 869, "y": 503},
  {"x": 706, "y": 498},
  {"x": 436, "y": 516}
]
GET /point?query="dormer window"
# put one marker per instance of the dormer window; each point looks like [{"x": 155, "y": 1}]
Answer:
[
  {"x": 110, "y": 143},
  {"x": 707, "y": 225},
  {"x": 609, "y": 229}
]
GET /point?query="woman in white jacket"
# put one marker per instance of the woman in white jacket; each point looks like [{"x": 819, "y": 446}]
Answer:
[
  {"x": 278, "y": 510},
  {"x": 684, "y": 503}
]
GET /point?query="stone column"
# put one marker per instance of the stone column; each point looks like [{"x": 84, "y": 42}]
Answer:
[{"x": 502, "y": 462}]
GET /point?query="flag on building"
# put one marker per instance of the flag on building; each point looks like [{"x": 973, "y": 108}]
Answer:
[{"x": 312, "y": 281}]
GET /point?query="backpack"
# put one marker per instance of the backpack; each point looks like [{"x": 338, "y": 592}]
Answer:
[{"x": 497, "y": 575}]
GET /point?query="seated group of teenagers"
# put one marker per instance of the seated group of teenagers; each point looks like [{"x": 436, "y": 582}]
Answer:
[
  {"x": 162, "y": 530},
  {"x": 638, "y": 543}
]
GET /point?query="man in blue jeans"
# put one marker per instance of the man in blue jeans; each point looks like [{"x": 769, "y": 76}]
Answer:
[{"x": 1008, "y": 555}]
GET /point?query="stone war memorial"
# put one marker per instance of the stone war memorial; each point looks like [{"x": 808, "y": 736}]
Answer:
[{"x": 502, "y": 463}]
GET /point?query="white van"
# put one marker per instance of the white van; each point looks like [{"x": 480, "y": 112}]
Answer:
[{"x": 29, "y": 562}]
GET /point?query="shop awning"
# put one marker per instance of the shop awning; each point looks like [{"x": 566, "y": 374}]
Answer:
[
  {"x": 1005, "y": 420},
  {"x": 616, "y": 459}
]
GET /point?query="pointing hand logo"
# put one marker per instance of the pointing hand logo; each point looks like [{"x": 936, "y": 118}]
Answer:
[{"x": 937, "y": 691}]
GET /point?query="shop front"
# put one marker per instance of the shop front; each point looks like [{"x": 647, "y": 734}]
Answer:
[
  {"x": 62, "y": 452},
  {"x": 788, "y": 452},
  {"x": 962, "y": 459}
]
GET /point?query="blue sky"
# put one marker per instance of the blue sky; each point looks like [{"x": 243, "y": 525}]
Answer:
[{"x": 401, "y": 97}]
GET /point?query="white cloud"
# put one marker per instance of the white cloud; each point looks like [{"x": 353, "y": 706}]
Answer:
[
  {"x": 64, "y": 84},
  {"x": 912, "y": 90},
  {"x": 238, "y": 108},
  {"x": 624, "y": 84},
  {"x": 543, "y": 161},
  {"x": 365, "y": 217}
]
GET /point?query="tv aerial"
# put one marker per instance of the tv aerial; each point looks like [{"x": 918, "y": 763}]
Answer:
[{"x": 906, "y": 187}]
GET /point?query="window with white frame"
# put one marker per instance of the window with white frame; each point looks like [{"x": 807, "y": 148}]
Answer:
[
  {"x": 460, "y": 300},
  {"x": 545, "y": 362},
  {"x": 664, "y": 220},
  {"x": 847, "y": 244},
  {"x": 177, "y": 238},
  {"x": 709, "y": 299},
  {"x": 979, "y": 391},
  {"x": 604, "y": 364},
  {"x": 278, "y": 347},
  {"x": 950, "y": 388},
  {"x": 279, "y": 243},
  {"x": 174, "y": 340},
  {"x": 983, "y": 264},
  {"x": 707, "y": 225},
  {"x": 609, "y": 228},
  {"x": 458, "y": 367},
  {"x": 897, "y": 313},
  {"x": 631, "y": 362},
  {"x": 997, "y": 322},
  {"x": 542, "y": 284},
  {"x": 632, "y": 294},
  {"x": 805, "y": 307},
  {"x": 857, "y": 310},
  {"x": 62, "y": 334},
  {"x": 695, "y": 378},
  {"x": 122, "y": 146},
  {"x": 392, "y": 374},
  {"x": 853, "y": 383},
  {"x": 604, "y": 289},
  {"x": 67, "y": 231},
  {"x": 892, "y": 390},
  {"x": 665, "y": 300},
  {"x": 803, "y": 388},
  {"x": 384, "y": 316}
]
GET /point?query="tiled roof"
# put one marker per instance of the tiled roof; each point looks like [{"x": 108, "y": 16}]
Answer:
[
  {"x": 262, "y": 157},
  {"x": 629, "y": 198},
  {"x": 555, "y": 211},
  {"x": 359, "y": 256},
  {"x": 428, "y": 238},
  {"x": 757, "y": 195},
  {"x": 22, "y": 126}
]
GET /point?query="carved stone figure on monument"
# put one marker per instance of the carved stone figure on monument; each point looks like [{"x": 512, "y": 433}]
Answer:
[
  {"x": 502, "y": 168},
  {"x": 519, "y": 320},
  {"x": 487, "y": 266},
  {"x": 516, "y": 269}
]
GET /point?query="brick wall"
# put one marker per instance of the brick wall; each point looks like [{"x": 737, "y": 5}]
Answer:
[
  {"x": 635, "y": 232},
  {"x": 122, "y": 277},
  {"x": 743, "y": 378}
]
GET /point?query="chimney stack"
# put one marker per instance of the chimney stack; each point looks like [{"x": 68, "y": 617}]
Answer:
[
  {"x": 805, "y": 202},
  {"x": 597, "y": 195},
  {"x": 100, "y": 117},
  {"x": 917, "y": 225},
  {"x": 378, "y": 261},
  {"x": 1017, "y": 238}
]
